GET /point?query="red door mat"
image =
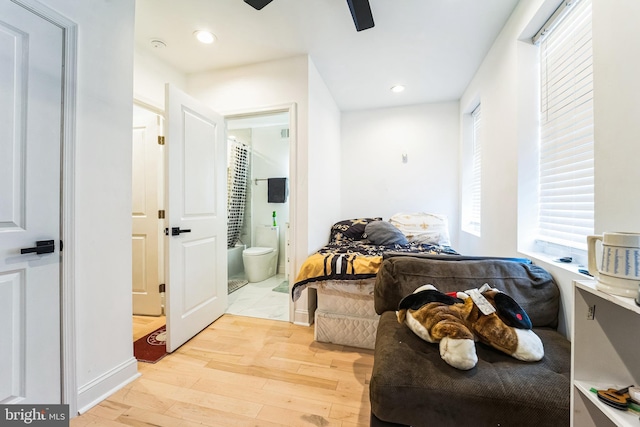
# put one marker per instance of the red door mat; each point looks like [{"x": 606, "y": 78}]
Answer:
[{"x": 151, "y": 347}]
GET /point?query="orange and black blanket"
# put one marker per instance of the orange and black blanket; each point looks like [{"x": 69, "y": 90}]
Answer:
[{"x": 352, "y": 260}]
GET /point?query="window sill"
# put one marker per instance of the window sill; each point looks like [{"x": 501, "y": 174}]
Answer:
[
  {"x": 572, "y": 267},
  {"x": 475, "y": 233}
]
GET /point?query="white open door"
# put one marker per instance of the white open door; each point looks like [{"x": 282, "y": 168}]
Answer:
[
  {"x": 31, "y": 63},
  {"x": 147, "y": 160},
  {"x": 196, "y": 217}
]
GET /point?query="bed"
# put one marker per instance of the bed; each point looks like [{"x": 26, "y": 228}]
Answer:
[{"x": 343, "y": 272}]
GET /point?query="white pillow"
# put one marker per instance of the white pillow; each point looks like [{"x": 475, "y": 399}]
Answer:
[{"x": 422, "y": 227}]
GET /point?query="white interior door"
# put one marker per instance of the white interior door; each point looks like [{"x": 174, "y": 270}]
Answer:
[
  {"x": 147, "y": 155},
  {"x": 196, "y": 217},
  {"x": 31, "y": 52}
]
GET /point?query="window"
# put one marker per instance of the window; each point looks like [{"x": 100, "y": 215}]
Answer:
[
  {"x": 472, "y": 181},
  {"x": 566, "y": 166}
]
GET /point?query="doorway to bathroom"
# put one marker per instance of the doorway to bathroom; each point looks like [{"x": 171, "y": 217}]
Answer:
[{"x": 259, "y": 150}]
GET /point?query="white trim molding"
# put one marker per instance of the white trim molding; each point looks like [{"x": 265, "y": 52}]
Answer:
[
  {"x": 68, "y": 271},
  {"x": 94, "y": 392}
]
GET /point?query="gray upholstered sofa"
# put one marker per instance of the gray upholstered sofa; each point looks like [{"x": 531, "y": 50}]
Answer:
[{"x": 412, "y": 385}]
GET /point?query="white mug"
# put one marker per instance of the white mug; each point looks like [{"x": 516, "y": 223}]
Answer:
[{"x": 619, "y": 271}]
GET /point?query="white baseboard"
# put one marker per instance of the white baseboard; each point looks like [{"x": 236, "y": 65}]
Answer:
[
  {"x": 303, "y": 317},
  {"x": 305, "y": 307},
  {"x": 94, "y": 392}
]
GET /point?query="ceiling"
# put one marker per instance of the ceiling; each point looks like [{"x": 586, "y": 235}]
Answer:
[{"x": 433, "y": 47}]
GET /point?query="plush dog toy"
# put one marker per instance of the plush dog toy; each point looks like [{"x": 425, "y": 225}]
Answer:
[{"x": 456, "y": 322}]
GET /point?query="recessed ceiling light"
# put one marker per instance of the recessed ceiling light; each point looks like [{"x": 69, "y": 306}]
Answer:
[
  {"x": 205, "y": 36},
  {"x": 397, "y": 88}
]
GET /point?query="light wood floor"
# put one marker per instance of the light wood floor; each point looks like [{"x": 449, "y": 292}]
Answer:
[
  {"x": 243, "y": 371},
  {"x": 143, "y": 325}
]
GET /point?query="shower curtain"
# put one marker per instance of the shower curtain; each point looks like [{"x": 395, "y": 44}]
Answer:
[{"x": 237, "y": 174}]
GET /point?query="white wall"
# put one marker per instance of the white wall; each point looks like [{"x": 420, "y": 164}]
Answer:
[
  {"x": 616, "y": 51},
  {"x": 494, "y": 86},
  {"x": 270, "y": 159},
  {"x": 505, "y": 83},
  {"x": 102, "y": 244},
  {"x": 324, "y": 161},
  {"x": 505, "y": 87},
  {"x": 376, "y": 182},
  {"x": 149, "y": 78}
]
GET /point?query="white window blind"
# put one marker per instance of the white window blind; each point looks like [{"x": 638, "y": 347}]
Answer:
[
  {"x": 476, "y": 169},
  {"x": 566, "y": 186}
]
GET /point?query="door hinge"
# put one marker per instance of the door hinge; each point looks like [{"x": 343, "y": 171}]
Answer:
[
  {"x": 161, "y": 287},
  {"x": 61, "y": 245},
  {"x": 160, "y": 139},
  {"x": 161, "y": 214}
]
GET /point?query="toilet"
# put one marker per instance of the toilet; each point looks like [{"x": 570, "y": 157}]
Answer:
[{"x": 261, "y": 261}]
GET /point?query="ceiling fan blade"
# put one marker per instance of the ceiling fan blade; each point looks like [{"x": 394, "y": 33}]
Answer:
[
  {"x": 361, "y": 13},
  {"x": 257, "y": 4}
]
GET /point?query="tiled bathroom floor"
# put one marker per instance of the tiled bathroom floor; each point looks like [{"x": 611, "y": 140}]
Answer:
[{"x": 259, "y": 300}]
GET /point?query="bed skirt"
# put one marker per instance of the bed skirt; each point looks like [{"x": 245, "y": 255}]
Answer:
[{"x": 345, "y": 313}]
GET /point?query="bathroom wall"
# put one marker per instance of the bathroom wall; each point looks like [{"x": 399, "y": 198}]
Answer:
[{"x": 269, "y": 159}]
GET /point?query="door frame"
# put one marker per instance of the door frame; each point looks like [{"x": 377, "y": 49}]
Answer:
[
  {"x": 150, "y": 106},
  {"x": 293, "y": 175},
  {"x": 68, "y": 379}
]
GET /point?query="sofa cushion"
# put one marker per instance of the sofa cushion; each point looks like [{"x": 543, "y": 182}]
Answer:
[
  {"x": 412, "y": 385},
  {"x": 531, "y": 286}
]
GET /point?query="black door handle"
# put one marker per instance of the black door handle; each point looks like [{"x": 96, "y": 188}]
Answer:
[
  {"x": 42, "y": 247},
  {"x": 176, "y": 231}
]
